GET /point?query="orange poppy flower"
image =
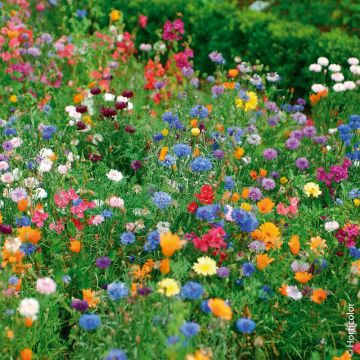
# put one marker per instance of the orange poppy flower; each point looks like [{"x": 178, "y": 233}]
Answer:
[
  {"x": 163, "y": 153},
  {"x": 22, "y": 205},
  {"x": 165, "y": 266},
  {"x": 220, "y": 309},
  {"x": 26, "y": 354},
  {"x": 90, "y": 297},
  {"x": 233, "y": 73},
  {"x": 238, "y": 153},
  {"x": 294, "y": 245},
  {"x": 170, "y": 243},
  {"x": 75, "y": 246}
]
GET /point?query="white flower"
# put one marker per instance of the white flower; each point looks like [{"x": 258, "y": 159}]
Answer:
[
  {"x": 316, "y": 88},
  {"x": 333, "y": 131},
  {"x": 353, "y": 61},
  {"x": 355, "y": 69},
  {"x": 45, "y": 286},
  {"x": 145, "y": 47},
  {"x": 116, "y": 202},
  {"x": 334, "y": 68},
  {"x": 339, "y": 87},
  {"x": 163, "y": 227},
  {"x": 99, "y": 202},
  {"x": 45, "y": 166},
  {"x": 4, "y": 165},
  {"x": 114, "y": 175},
  {"x": 39, "y": 193},
  {"x": 62, "y": 169},
  {"x": 109, "y": 97},
  {"x": 31, "y": 182},
  {"x": 349, "y": 85},
  {"x": 29, "y": 307},
  {"x": 331, "y": 226},
  {"x": 12, "y": 244},
  {"x": 323, "y": 61},
  {"x": 293, "y": 292},
  {"x": 254, "y": 139},
  {"x": 246, "y": 160},
  {"x": 315, "y": 68},
  {"x": 16, "y": 142},
  {"x": 337, "y": 76}
]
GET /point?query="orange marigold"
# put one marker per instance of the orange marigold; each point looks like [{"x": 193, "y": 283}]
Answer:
[
  {"x": 263, "y": 260},
  {"x": 265, "y": 205},
  {"x": 27, "y": 234},
  {"x": 294, "y": 245},
  {"x": 318, "y": 296},
  {"x": 26, "y": 354},
  {"x": 303, "y": 277}
]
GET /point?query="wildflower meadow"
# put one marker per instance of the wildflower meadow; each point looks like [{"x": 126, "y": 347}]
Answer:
[{"x": 154, "y": 209}]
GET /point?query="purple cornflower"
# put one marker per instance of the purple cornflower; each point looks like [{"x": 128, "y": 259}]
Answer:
[
  {"x": 255, "y": 194},
  {"x": 302, "y": 163},
  {"x": 218, "y": 154},
  {"x": 320, "y": 139},
  {"x": 223, "y": 272},
  {"x": 309, "y": 131},
  {"x": 136, "y": 165},
  {"x": 103, "y": 262},
  {"x": 217, "y": 58},
  {"x": 268, "y": 184},
  {"x": 270, "y": 154},
  {"x": 217, "y": 90},
  {"x": 299, "y": 117},
  {"x": 7, "y": 145},
  {"x": 292, "y": 143},
  {"x": 273, "y": 120},
  {"x": 79, "y": 305}
]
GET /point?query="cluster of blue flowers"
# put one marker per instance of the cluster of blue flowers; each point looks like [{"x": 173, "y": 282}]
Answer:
[
  {"x": 115, "y": 354},
  {"x": 347, "y": 132},
  {"x": 89, "y": 322},
  {"x": 245, "y": 220},
  {"x": 48, "y": 132},
  {"x": 192, "y": 291},
  {"x": 208, "y": 212},
  {"x": 153, "y": 240},
  {"x": 199, "y": 111},
  {"x": 173, "y": 120}
]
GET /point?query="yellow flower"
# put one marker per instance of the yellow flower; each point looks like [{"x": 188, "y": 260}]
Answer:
[
  {"x": 312, "y": 190},
  {"x": 87, "y": 119},
  {"x": 238, "y": 153},
  {"x": 248, "y": 102},
  {"x": 195, "y": 131},
  {"x": 170, "y": 243},
  {"x": 246, "y": 206},
  {"x": 205, "y": 266},
  {"x": 115, "y": 15},
  {"x": 13, "y": 98},
  {"x": 283, "y": 180},
  {"x": 200, "y": 355},
  {"x": 168, "y": 287},
  {"x": 317, "y": 245},
  {"x": 165, "y": 132},
  {"x": 357, "y": 202}
]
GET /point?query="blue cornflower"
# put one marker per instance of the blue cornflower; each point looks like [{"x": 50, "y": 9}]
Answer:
[
  {"x": 248, "y": 269},
  {"x": 161, "y": 200},
  {"x": 117, "y": 290},
  {"x": 207, "y": 212},
  {"x": 107, "y": 213},
  {"x": 354, "y": 193},
  {"x": 66, "y": 278},
  {"x": 201, "y": 164},
  {"x": 127, "y": 238},
  {"x": 13, "y": 280},
  {"x": 115, "y": 354},
  {"x": 23, "y": 221},
  {"x": 89, "y": 321},
  {"x": 245, "y": 325},
  {"x": 158, "y": 136},
  {"x": 182, "y": 150},
  {"x": 204, "y": 306},
  {"x": 81, "y": 13},
  {"x": 199, "y": 111},
  {"x": 48, "y": 132},
  {"x": 245, "y": 220},
  {"x": 192, "y": 291},
  {"x": 229, "y": 183},
  {"x": 28, "y": 248},
  {"x": 355, "y": 253},
  {"x": 168, "y": 161},
  {"x": 153, "y": 240},
  {"x": 173, "y": 339},
  {"x": 190, "y": 329},
  {"x": 173, "y": 120},
  {"x": 10, "y": 131}
]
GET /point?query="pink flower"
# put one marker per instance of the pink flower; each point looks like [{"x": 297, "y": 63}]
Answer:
[
  {"x": 172, "y": 31},
  {"x": 45, "y": 286},
  {"x": 143, "y": 21},
  {"x": 39, "y": 218},
  {"x": 58, "y": 227}
]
